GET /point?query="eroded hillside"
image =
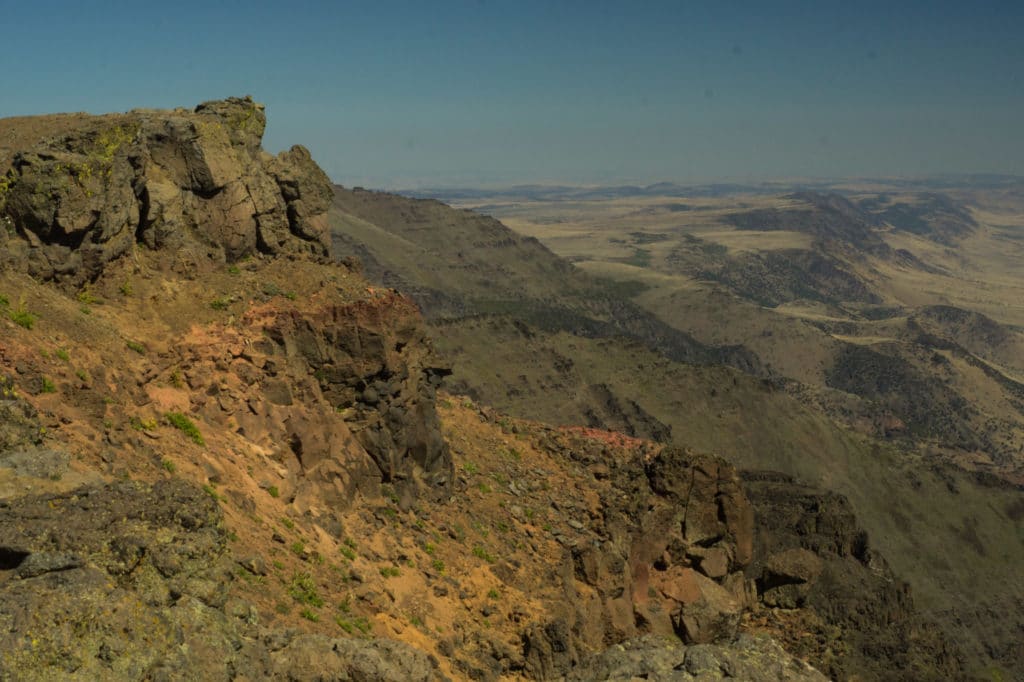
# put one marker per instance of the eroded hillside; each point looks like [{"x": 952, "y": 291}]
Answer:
[
  {"x": 223, "y": 456},
  {"x": 880, "y": 365}
]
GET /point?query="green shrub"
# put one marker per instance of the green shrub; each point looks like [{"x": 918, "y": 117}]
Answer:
[
  {"x": 62, "y": 354},
  {"x": 302, "y": 589},
  {"x": 208, "y": 489},
  {"x": 273, "y": 491},
  {"x": 136, "y": 346},
  {"x": 170, "y": 466},
  {"x": 21, "y": 316},
  {"x": 185, "y": 425},
  {"x": 481, "y": 553},
  {"x": 358, "y": 623},
  {"x": 48, "y": 386}
]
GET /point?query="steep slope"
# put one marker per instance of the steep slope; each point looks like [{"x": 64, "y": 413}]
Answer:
[
  {"x": 864, "y": 399},
  {"x": 457, "y": 263},
  {"x": 221, "y": 453}
]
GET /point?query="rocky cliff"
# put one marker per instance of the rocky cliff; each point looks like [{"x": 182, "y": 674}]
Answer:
[
  {"x": 223, "y": 455},
  {"x": 195, "y": 183}
]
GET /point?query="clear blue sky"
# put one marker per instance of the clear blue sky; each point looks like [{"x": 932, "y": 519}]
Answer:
[{"x": 406, "y": 94}]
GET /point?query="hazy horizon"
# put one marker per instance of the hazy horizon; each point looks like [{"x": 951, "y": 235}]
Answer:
[{"x": 406, "y": 95}]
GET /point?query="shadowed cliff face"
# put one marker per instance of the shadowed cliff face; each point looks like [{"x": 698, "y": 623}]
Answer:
[{"x": 193, "y": 181}]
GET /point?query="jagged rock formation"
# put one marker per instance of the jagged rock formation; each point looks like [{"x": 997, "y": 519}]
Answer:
[
  {"x": 348, "y": 387},
  {"x": 812, "y": 554},
  {"x": 107, "y": 198},
  {"x": 195, "y": 182},
  {"x": 674, "y": 536}
]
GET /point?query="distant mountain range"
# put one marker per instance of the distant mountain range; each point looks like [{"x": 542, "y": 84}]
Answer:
[{"x": 713, "y": 189}]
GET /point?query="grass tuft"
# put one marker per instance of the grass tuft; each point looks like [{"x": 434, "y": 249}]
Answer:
[{"x": 185, "y": 425}]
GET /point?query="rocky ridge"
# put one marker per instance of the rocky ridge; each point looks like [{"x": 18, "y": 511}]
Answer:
[
  {"x": 230, "y": 450},
  {"x": 195, "y": 183}
]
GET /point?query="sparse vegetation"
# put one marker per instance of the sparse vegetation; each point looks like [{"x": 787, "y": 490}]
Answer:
[
  {"x": 359, "y": 623},
  {"x": 481, "y": 553},
  {"x": 136, "y": 346},
  {"x": 140, "y": 424},
  {"x": 168, "y": 465},
  {"x": 185, "y": 425},
  {"x": 22, "y": 317},
  {"x": 302, "y": 589},
  {"x": 273, "y": 491},
  {"x": 47, "y": 386},
  {"x": 86, "y": 297},
  {"x": 209, "y": 490}
]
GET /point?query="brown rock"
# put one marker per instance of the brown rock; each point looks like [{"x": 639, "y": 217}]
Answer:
[
  {"x": 714, "y": 563},
  {"x": 793, "y": 565},
  {"x": 680, "y": 584},
  {"x": 713, "y": 617}
]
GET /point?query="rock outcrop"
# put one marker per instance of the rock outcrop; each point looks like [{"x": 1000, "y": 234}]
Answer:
[
  {"x": 131, "y": 582},
  {"x": 754, "y": 659},
  {"x": 677, "y": 533},
  {"x": 195, "y": 181},
  {"x": 811, "y": 553},
  {"x": 348, "y": 388}
]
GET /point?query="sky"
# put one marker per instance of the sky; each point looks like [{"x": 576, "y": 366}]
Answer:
[{"x": 484, "y": 93}]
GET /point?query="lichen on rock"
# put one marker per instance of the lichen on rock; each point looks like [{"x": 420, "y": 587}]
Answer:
[{"x": 185, "y": 180}]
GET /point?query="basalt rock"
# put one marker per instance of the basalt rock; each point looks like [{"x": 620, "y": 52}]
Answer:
[
  {"x": 679, "y": 532},
  {"x": 129, "y": 582},
  {"x": 343, "y": 391},
  {"x": 195, "y": 182},
  {"x": 811, "y": 553},
  {"x": 754, "y": 659}
]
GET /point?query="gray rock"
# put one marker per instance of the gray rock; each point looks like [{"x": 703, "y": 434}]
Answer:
[
  {"x": 39, "y": 563},
  {"x": 752, "y": 659}
]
